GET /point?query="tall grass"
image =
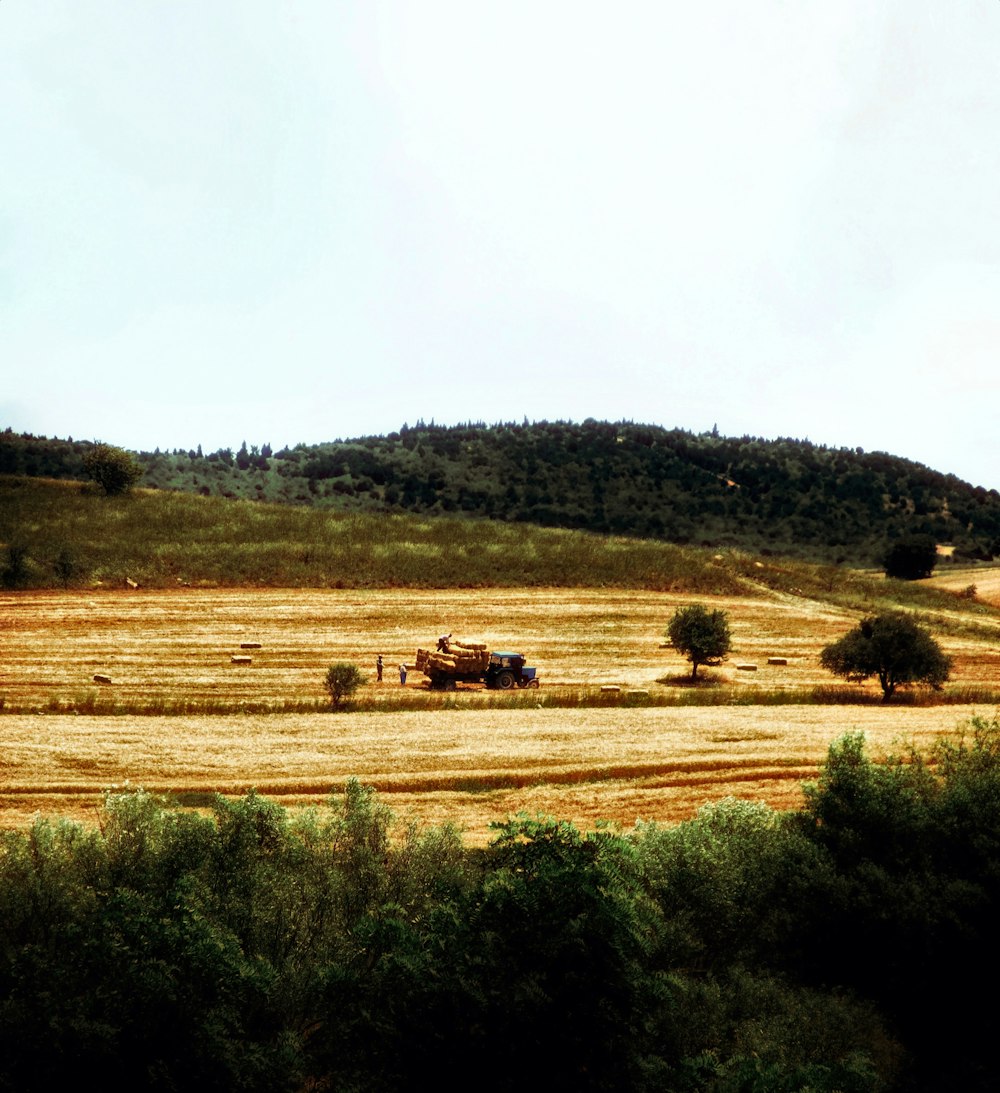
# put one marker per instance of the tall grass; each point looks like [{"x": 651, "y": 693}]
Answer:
[
  {"x": 416, "y": 700},
  {"x": 161, "y": 539}
]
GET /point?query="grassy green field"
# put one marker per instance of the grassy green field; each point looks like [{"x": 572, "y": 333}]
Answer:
[
  {"x": 161, "y": 539},
  {"x": 56, "y": 534}
]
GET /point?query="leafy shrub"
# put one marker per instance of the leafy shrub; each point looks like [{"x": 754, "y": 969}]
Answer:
[
  {"x": 342, "y": 680},
  {"x": 113, "y": 469},
  {"x": 65, "y": 567}
]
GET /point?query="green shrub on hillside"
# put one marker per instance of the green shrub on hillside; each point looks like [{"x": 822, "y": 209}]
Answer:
[
  {"x": 17, "y": 572},
  {"x": 113, "y": 469}
]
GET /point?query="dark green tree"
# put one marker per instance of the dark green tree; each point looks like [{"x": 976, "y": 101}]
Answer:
[
  {"x": 891, "y": 647},
  {"x": 15, "y": 573},
  {"x": 65, "y": 567},
  {"x": 911, "y": 558},
  {"x": 701, "y": 635},
  {"x": 113, "y": 469},
  {"x": 342, "y": 680}
]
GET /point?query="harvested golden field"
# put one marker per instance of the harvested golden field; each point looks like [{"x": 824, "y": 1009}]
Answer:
[
  {"x": 984, "y": 579},
  {"x": 447, "y": 758},
  {"x": 467, "y": 767}
]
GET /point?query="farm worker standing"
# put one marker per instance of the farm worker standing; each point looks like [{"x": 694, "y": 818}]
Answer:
[
  {"x": 378, "y": 668},
  {"x": 402, "y": 675}
]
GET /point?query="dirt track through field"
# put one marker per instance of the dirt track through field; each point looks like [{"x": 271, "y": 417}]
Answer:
[{"x": 467, "y": 766}]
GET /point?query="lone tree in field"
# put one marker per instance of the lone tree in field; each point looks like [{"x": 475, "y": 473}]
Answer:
[
  {"x": 701, "y": 635},
  {"x": 342, "y": 680},
  {"x": 892, "y": 647},
  {"x": 113, "y": 469},
  {"x": 911, "y": 558}
]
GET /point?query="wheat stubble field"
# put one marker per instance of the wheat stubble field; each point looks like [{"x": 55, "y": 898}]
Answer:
[{"x": 442, "y": 758}]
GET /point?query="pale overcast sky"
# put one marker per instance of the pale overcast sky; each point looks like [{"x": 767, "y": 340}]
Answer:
[{"x": 301, "y": 220}]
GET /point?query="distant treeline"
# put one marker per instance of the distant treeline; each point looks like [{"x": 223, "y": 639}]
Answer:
[
  {"x": 784, "y": 496},
  {"x": 851, "y": 946}
]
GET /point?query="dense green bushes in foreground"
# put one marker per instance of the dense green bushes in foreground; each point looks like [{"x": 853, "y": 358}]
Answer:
[{"x": 845, "y": 947}]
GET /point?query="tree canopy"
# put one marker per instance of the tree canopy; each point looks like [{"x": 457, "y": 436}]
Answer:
[
  {"x": 781, "y": 496},
  {"x": 891, "y": 647},
  {"x": 911, "y": 558},
  {"x": 701, "y": 635},
  {"x": 113, "y": 469}
]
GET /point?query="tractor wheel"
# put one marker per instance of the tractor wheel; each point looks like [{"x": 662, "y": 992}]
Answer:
[
  {"x": 505, "y": 680},
  {"x": 533, "y": 683}
]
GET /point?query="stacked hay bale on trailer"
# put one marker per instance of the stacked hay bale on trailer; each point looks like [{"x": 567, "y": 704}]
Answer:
[
  {"x": 456, "y": 659},
  {"x": 472, "y": 662}
]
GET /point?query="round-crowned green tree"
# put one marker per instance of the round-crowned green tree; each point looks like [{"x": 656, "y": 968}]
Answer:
[
  {"x": 342, "y": 680},
  {"x": 701, "y": 635},
  {"x": 891, "y": 647},
  {"x": 911, "y": 558},
  {"x": 113, "y": 469}
]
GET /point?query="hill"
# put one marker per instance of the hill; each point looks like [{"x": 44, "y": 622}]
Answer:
[
  {"x": 68, "y": 534},
  {"x": 788, "y": 497}
]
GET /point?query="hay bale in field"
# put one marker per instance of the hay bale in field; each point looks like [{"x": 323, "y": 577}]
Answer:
[
  {"x": 609, "y": 690},
  {"x": 777, "y": 660},
  {"x": 458, "y": 658},
  {"x": 240, "y": 660},
  {"x": 102, "y": 678},
  {"x": 249, "y": 644},
  {"x": 746, "y": 667}
]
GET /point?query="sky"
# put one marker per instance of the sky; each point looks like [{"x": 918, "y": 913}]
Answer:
[{"x": 303, "y": 220}]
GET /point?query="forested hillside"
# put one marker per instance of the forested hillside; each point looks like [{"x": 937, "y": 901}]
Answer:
[{"x": 786, "y": 496}]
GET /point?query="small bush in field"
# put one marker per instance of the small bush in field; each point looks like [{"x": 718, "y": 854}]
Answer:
[
  {"x": 113, "y": 469},
  {"x": 342, "y": 680}
]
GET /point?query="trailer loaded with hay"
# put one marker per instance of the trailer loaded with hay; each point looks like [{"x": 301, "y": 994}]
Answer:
[{"x": 461, "y": 662}]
